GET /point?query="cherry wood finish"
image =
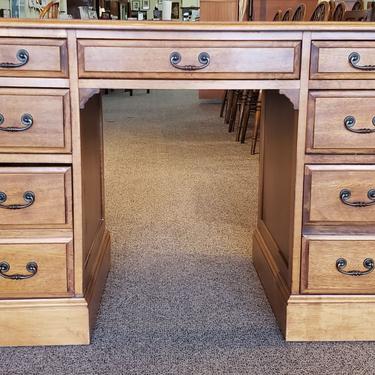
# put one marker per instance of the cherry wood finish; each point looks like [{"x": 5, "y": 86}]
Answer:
[
  {"x": 323, "y": 185},
  {"x": 47, "y": 57},
  {"x": 319, "y": 271},
  {"x": 130, "y": 59},
  {"x": 328, "y": 111},
  {"x": 52, "y": 187},
  {"x": 54, "y": 276},
  {"x": 50, "y": 131},
  {"x": 304, "y": 163},
  {"x": 330, "y": 59}
]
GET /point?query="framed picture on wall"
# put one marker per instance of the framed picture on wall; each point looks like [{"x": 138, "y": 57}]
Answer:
[
  {"x": 135, "y": 5},
  {"x": 146, "y": 4},
  {"x": 175, "y": 11}
]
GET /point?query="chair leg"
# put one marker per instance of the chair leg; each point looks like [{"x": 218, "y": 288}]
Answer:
[
  {"x": 258, "y": 114},
  {"x": 229, "y": 106},
  {"x": 224, "y": 104},
  {"x": 246, "y": 117},
  {"x": 242, "y": 109},
  {"x": 233, "y": 111},
  {"x": 148, "y": 91},
  {"x": 252, "y": 106}
]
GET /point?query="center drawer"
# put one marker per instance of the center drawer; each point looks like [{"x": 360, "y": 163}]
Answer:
[
  {"x": 189, "y": 59},
  {"x": 339, "y": 195},
  {"x": 34, "y": 121},
  {"x": 35, "y": 197},
  {"x": 36, "y": 269}
]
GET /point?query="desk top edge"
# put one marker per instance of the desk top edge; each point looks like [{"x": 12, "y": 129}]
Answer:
[{"x": 186, "y": 26}]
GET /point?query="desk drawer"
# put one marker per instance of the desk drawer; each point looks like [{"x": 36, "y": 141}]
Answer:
[
  {"x": 338, "y": 266},
  {"x": 221, "y": 60},
  {"x": 33, "y": 57},
  {"x": 341, "y": 122},
  {"x": 36, "y": 270},
  {"x": 343, "y": 60},
  {"x": 35, "y": 197},
  {"x": 34, "y": 121},
  {"x": 339, "y": 194}
]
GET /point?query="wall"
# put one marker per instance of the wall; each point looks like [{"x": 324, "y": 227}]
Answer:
[
  {"x": 264, "y": 10},
  {"x": 25, "y": 10}
]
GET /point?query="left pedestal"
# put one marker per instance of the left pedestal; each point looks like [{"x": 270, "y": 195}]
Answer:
[{"x": 54, "y": 247}]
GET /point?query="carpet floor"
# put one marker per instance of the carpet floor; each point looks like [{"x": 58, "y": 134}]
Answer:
[{"x": 182, "y": 296}]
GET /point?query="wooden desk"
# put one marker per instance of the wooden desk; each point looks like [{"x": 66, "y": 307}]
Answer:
[{"x": 317, "y": 212}]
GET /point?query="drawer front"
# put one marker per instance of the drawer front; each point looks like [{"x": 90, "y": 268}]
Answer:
[
  {"x": 142, "y": 59},
  {"x": 35, "y": 121},
  {"x": 341, "y": 122},
  {"x": 36, "y": 270},
  {"x": 343, "y": 60},
  {"x": 33, "y": 57},
  {"x": 36, "y": 197},
  {"x": 341, "y": 195},
  {"x": 338, "y": 266}
]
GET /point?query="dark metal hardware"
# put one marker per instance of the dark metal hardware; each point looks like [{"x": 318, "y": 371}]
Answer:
[
  {"x": 28, "y": 197},
  {"x": 368, "y": 263},
  {"x": 345, "y": 195},
  {"x": 354, "y": 58},
  {"x": 350, "y": 121},
  {"x": 26, "y": 120},
  {"x": 203, "y": 58},
  {"x": 31, "y": 267},
  {"x": 22, "y": 56}
]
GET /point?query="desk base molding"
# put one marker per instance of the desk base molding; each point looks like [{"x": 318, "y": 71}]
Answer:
[
  {"x": 313, "y": 317},
  {"x": 59, "y": 321}
]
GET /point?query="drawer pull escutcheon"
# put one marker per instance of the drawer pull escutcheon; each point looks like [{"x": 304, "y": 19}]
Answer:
[
  {"x": 350, "y": 121},
  {"x": 203, "y": 58},
  {"x": 368, "y": 263},
  {"x": 26, "y": 120},
  {"x": 31, "y": 267},
  {"x": 28, "y": 197},
  {"x": 23, "y": 58},
  {"x": 354, "y": 58},
  {"x": 345, "y": 195}
]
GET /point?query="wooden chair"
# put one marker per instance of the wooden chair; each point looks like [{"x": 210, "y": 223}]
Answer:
[
  {"x": 300, "y": 13},
  {"x": 51, "y": 10},
  {"x": 338, "y": 14},
  {"x": 287, "y": 15},
  {"x": 332, "y": 7},
  {"x": 278, "y": 16},
  {"x": 321, "y": 12},
  {"x": 357, "y": 16},
  {"x": 358, "y": 5}
]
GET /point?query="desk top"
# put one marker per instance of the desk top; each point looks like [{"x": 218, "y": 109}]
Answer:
[{"x": 187, "y": 26}]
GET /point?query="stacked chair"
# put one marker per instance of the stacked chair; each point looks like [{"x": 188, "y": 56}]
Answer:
[{"x": 241, "y": 109}]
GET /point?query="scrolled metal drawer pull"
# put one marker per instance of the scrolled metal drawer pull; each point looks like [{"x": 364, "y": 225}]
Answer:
[
  {"x": 26, "y": 120},
  {"x": 350, "y": 121},
  {"x": 28, "y": 197},
  {"x": 31, "y": 267},
  {"x": 368, "y": 263},
  {"x": 203, "y": 58},
  {"x": 354, "y": 59},
  {"x": 345, "y": 195},
  {"x": 22, "y": 56}
]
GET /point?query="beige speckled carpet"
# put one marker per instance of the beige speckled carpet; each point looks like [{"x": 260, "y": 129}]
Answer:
[{"x": 182, "y": 296}]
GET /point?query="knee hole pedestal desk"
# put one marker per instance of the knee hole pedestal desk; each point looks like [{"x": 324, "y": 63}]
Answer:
[{"x": 314, "y": 242}]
